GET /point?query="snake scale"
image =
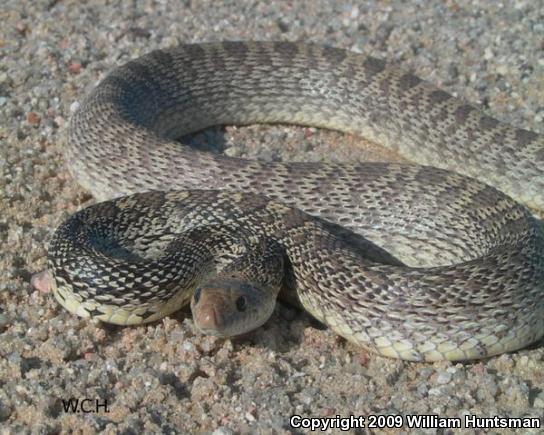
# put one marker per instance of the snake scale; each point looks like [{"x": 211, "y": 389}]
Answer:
[{"x": 414, "y": 261}]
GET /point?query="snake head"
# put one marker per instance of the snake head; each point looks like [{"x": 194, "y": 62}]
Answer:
[{"x": 225, "y": 306}]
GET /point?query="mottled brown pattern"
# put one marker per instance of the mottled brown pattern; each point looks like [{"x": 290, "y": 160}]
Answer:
[{"x": 429, "y": 264}]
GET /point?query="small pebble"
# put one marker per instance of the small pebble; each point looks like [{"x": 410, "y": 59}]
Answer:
[
  {"x": 5, "y": 412},
  {"x": 539, "y": 400},
  {"x": 74, "y": 106},
  {"x": 33, "y": 118},
  {"x": 443, "y": 377},
  {"x": 4, "y": 322}
]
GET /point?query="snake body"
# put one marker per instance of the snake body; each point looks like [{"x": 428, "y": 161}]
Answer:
[{"x": 409, "y": 261}]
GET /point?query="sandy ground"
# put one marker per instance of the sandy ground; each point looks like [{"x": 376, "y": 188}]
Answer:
[{"x": 165, "y": 378}]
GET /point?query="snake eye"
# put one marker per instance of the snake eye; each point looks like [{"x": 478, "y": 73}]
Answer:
[
  {"x": 196, "y": 295},
  {"x": 241, "y": 303}
]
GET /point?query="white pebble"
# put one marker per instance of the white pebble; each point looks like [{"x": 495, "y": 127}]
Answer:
[
  {"x": 443, "y": 378},
  {"x": 74, "y": 106}
]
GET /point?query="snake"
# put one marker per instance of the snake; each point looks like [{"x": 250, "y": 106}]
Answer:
[{"x": 437, "y": 259}]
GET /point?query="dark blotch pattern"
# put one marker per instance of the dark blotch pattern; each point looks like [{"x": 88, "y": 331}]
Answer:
[
  {"x": 525, "y": 137},
  {"x": 374, "y": 66},
  {"x": 235, "y": 50},
  {"x": 287, "y": 49},
  {"x": 162, "y": 58},
  {"x": 439, "y": 96},
  {"x": 462, "y": 113},
  {"x": 408, "y": 81},
  {"x": 488, "y": 123},
  {"x": 334, "y": 55}
]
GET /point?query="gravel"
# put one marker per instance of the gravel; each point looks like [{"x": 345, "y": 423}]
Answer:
[{"x": 163, "y": 377}]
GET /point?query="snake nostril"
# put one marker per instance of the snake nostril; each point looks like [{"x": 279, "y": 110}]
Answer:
[
  {"x": 241, "y": 303},
  {"x": 196, "y": 295}
]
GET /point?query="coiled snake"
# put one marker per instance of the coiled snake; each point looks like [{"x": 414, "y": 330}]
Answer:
[{"x": 413, "y": 262}]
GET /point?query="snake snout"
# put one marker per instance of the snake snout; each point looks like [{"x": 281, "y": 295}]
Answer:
[{"x": 209, "y": 319}]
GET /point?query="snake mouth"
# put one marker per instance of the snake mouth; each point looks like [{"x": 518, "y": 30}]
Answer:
[{"x": 214, "y": 333}]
